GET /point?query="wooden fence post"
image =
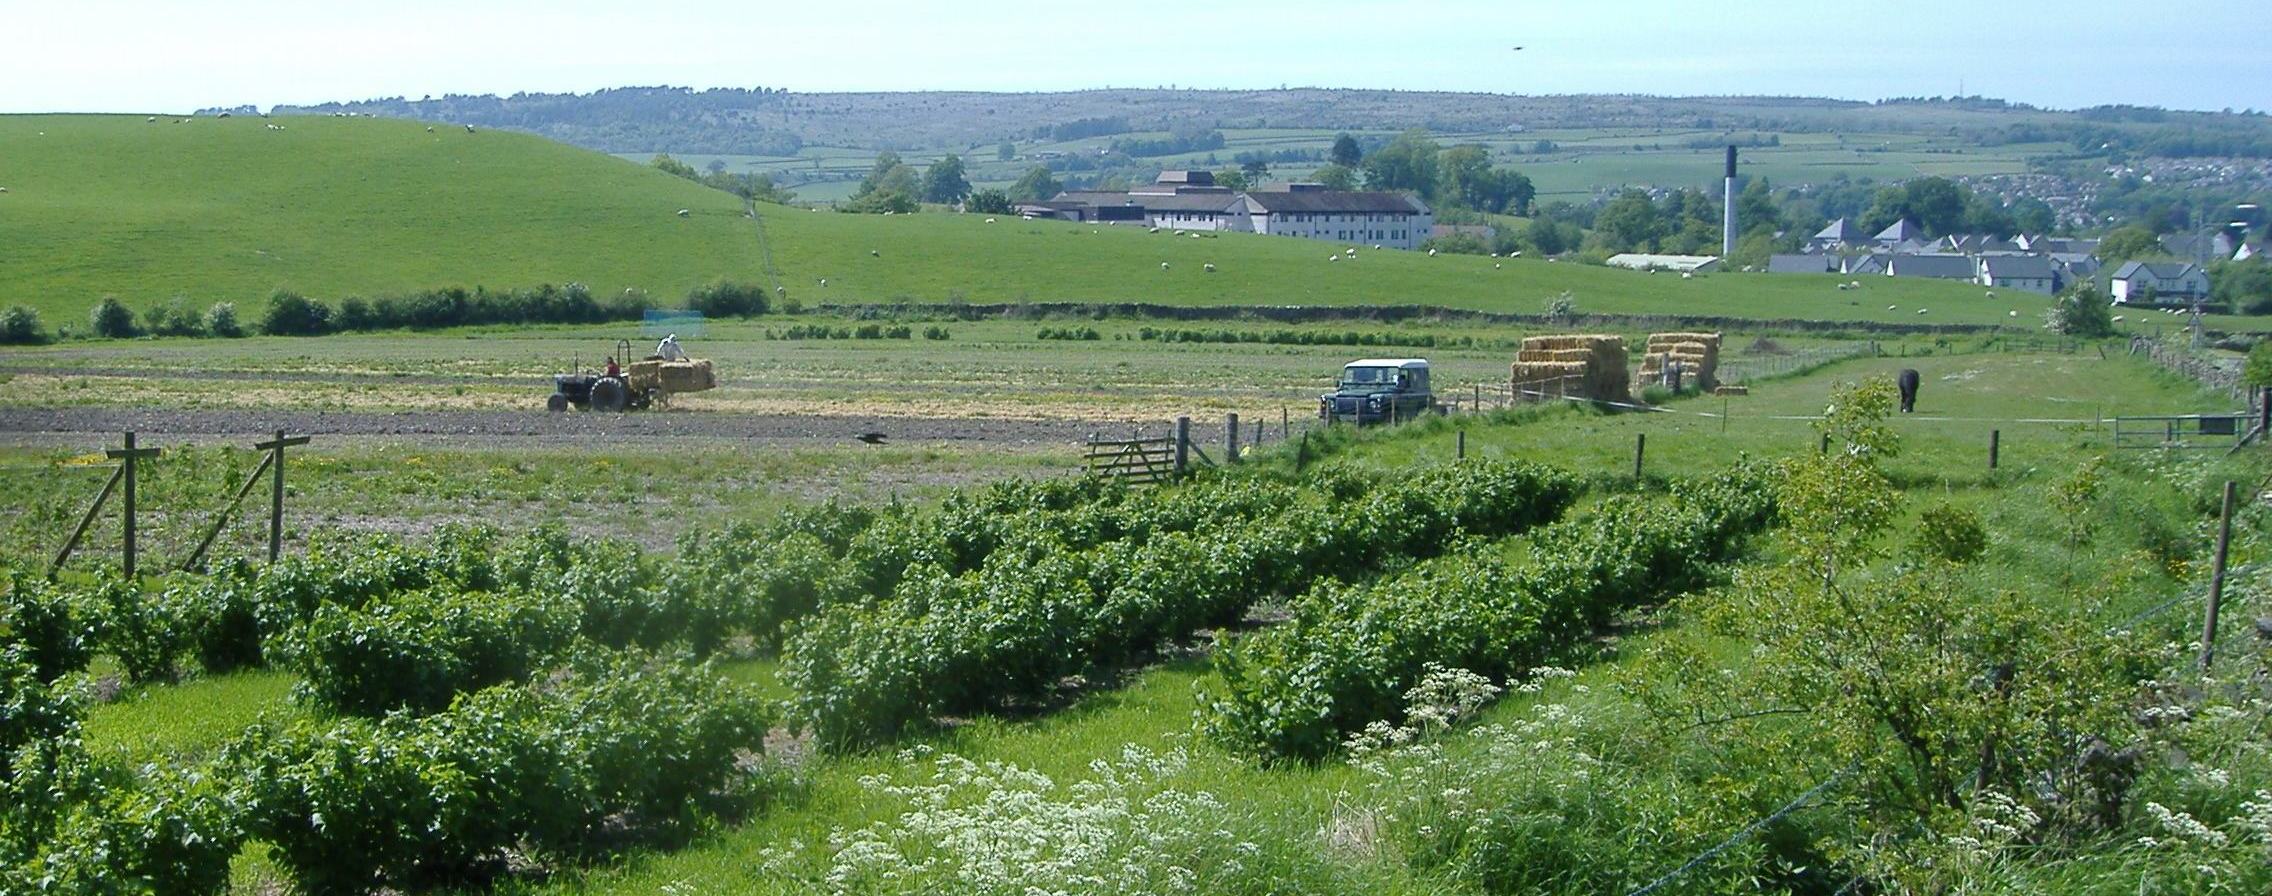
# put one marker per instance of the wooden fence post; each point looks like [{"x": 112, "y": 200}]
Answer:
[
  {"x": 1640, "y": 445},
  {"x": 1182, "y": 445},
  {"x": 2217, "y": 580},
  {"x": 1995, "y": 446},
  {"x": 1231, "y": 437},
  {"x": 276, "y": 494},
  {"x": 129, "y": 455},
  {"x": 1462, "y": 450}
]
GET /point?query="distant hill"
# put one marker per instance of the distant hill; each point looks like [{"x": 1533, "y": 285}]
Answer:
[
  {"x": 230, "y": 209},
  {"x": 778, "y": 122}
]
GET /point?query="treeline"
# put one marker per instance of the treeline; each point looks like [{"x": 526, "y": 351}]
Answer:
[
  {"x": 1302, "y": 337},
  {"x": 624, "y": 119},
  {"x": 1083, "y": 128},
  {"x": 747, "y": 185},
  {"x": 1175, "y": 143}
]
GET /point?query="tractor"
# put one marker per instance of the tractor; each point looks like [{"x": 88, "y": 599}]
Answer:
[{"x": 641, "y": 384}]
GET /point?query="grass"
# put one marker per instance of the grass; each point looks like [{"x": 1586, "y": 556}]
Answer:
[{"x": 341, "y": 206}]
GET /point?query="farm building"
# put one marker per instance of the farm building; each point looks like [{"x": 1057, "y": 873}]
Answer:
[
  {"x": 2158, "y": 282},
  {"x": 1837, "y": 237},
  {"x": 2026, "y": 273},
  {"x": 1190, "y": 200},
  {"x": 1937, "y": 267},
  {"x": 1801, "y": 264},
  {"x": 1686, "y": 264}
]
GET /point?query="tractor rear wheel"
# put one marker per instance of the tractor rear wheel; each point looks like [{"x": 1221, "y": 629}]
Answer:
[
  {"x": 610, "y": 395},
  {"x": 557, "y": 403}
]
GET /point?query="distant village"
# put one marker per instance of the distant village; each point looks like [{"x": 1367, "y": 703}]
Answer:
[{"x": 1191, "y": 200}]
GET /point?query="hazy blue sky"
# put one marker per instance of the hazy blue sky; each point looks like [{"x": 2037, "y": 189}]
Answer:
[{"x": 110, "y": 55}]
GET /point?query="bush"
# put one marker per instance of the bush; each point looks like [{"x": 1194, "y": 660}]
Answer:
[
  {"x": 292, "y": 314},
  {"x": 112, "y": 319},
  {"x": 164, "y": 832},
  {"x": 411, "y": 801},
  {"x": 727, "y": 298},
  {"x": 36, "y": 710},
  {"x": 221, "y": 618},
  {"x": 417, "y": 651},
  {"x": 143, "y": 630},
  {"x": 1948, "y": 532},
  {"x": 221, "y": 321},
  {"x": 19, "y": 325},
  {"x": 174, "y": 317},
  {"x": 52, "y": 631}
]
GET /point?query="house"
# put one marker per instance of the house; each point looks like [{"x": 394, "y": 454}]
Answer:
[
  {"x": 1864, "y": 264},
  {"x": 2076, "y": 267},
  {"x": 2205, "y": 248},
  {"x": 1902, "y": 231},
  {"x": 2026, "y": 273},
  {"x": 2158, "y": 283},
  {"x": 1686, "y": 264},
  {"x": 1937, "y": 267},
  {"x": 1839, "y": 235},
  {"x": 1977, "y": 244},
  {"x": 1395, "y": 220},
  {"x": 1801, "y": 264}
]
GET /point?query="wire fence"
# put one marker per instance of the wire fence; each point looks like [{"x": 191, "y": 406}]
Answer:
[{"x": 1753, "y": 368}]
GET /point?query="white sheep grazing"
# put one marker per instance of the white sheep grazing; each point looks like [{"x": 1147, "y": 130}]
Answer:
[
  {"x": 824, "y": 282},
  {"x": 1352, "y": 250},
  {"x": 1208, "y": 267},
  {"x": 152, "y": 119},
  {"x": 1920, "y": 311},
  {"x": 2118, "y": 318},
  {"x": 686, "y": 213},
  {"x": 1991, "y": 293},
  {"x": 1333, "y": 258},
  {"x": 2012, "y": 313},
  {"x": 429, "y": 129},
  {"x": 1855, "y": 284},
  {"x": 780, "y": 290},
  {"x": 1163, "y": 265},
  {"x": 875, "y": 254},
  {"x": 1687, "y": 275},
  {"x": 469, "y": 129},
  {"x": 1153, "y": 230},
  {"x": 1495, "y": 266},
  {"x": 1431, "y": 253},
  {"x": 1376, "y": 245},
  {"x": 1889, "y": 307},
  {"x": 990, "y": 220},
  {"x": 1516, "y": 254}
]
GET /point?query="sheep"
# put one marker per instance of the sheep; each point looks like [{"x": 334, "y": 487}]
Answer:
[
  {"x": 2013, "y": 313},
  {"x": 1163, "y": 265},
  {"x": 990, "y": 220},
  {"x": 1208, "y": 267},
  {"x": 469, "y": 129},
  {"x": 1152, "y": 230},
  {"x": 1495, "y": 266},
  {"x": 1857, "y": 284},
  {"x": 1376, "y": 245},
  {"x": 2118, "y": 318},
  {"x": 780, "y": 290},
  {"x": 1515, "y": 254},
  {"x": 686, "y": 213},
  {"x": 1431, "y": 253},
  {"x": 1920, "y": 311},
  {"x": 824, "y": 282},
  {"x": 1991, "y": 293},
  {"x": 1333, "y": 258},
  {"x": 875, "y": 254},
  {"x": 1890, "y": 307},
  {"x": 429, "y": 129},
  {"x": 1352, "y": 250},
  {"x": 151, "y": 120},
  {"x": 1687, "y": 275}
]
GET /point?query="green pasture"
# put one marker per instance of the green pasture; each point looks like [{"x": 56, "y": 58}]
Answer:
[{"x": 229, "y": 210}]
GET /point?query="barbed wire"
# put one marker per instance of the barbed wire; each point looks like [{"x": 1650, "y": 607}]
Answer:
[{"x": 1797, "y": 803}]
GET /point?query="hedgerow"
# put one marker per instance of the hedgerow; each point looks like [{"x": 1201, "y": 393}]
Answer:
[
  {"x": 957, "y": 637},
  {"x": 407, "y": 801},
  {"x": 1350, "y": 653},
  {"x": 418, "y": 650}
]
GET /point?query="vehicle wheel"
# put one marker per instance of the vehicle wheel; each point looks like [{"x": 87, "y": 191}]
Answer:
[
  {"x": 609, "y": 395},
  {"x": 556, "y": 403}
]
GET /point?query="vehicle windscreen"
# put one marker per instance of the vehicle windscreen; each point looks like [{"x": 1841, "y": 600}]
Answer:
[{"x": 1368, "y": 379}]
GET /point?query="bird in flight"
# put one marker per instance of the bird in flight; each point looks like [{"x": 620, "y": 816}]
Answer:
[{"x": 1518, "y": 48}]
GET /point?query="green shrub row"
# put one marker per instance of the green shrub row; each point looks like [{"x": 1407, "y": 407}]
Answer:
[
  {"x": 863, "y": 331},
  {"x": 957, "y": 637},
  {"x": 1311, "y": 337},
  {"x": 1350, "y": 653},
  {"x": 617, "y": 747}
]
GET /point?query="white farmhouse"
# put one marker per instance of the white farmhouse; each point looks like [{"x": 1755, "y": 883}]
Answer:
[
  {"x": 2158, "y": 283},
  {"x": 2025, "y": 273}
]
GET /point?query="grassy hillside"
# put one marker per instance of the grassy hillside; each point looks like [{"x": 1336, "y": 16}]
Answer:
[{"x": 229, "y": 209}]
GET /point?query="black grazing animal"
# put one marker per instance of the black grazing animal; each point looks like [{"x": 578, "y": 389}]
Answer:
[
  {"x": 872, "y": 438},
  {"x": 1907, "y": 381}
]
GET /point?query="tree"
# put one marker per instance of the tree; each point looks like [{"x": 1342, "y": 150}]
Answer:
[
  {"x": 1464, "y": 176},
  {"x": 19, "y": 325},
  {"x": 945, "y": 182},
  {"x": 891, "y": 186},
  {"x": 2244, "y": 286},
  {"x": 1256, "y": 170},
  {"x": 1406, "y": 163},
  {"x": 716, "y": 166},
  {"x": 885, "y": 162},
  {"x": 1035, "y": 185},
  {"x": 292, "y": 314},
  {"x": 1756, "y": 209},
  {"x": 664, "y": 163},
  {"x": 2129, "y": 244},
  {"x": 2032, "y": 215},
  {"x": 1546, "y": 236},
  {"x": 988, "y": 202},
  {"x": 2082, "y": 312},
  {"x": 1336, "y": 177},
  {"x": 1007, "y": 152},
  {"x": 1629, "y": 223},
  {"x": 1345, "y": 152},
  {"x": 112, "y": 319},
  {"x": 1231, "y": 178}
]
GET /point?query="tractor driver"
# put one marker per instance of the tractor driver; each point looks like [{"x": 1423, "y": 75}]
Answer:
[
  {"x": 612, "y": 369},
  {"x": 668, "y": 349}
]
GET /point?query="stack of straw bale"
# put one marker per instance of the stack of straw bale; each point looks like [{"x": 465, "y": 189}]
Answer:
[
  {"x": 1591, "y": 367},
  {"x": 673, "y": 376},
  {"x": 1698, "y": 354}
]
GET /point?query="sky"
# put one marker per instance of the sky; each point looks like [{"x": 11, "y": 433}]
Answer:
[{"x": 119, "y": 56}]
